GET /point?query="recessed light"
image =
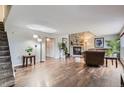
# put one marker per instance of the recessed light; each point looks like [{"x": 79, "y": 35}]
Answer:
[
  {"x": 35, "y": 36},
  {"x": 39, "y": 40},
  {"x": 48, "y": 39},
  {"x": 41, "y": 28}
]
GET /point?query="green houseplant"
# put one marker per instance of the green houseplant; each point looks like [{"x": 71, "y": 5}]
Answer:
[
  {"x": 63, "y": 46},
  {"x": 29, "y": 50},
  {"x": 114, "y": 45}
]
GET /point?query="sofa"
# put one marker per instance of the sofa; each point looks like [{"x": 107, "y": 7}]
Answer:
[{"x": 94, "y": 58}]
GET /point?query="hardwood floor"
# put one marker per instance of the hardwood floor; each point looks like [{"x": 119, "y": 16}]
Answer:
[{"x": 58, "y": 73}]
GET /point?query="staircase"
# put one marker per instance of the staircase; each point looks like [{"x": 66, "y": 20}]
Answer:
[{"x": 6, "y": 72}]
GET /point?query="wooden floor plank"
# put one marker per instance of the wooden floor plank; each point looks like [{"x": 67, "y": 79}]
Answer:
[{"x": 60, "y": 73}]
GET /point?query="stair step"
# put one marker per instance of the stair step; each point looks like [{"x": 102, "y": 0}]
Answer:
[
  {"x": 4, "y": 53},
  {"x": 2, "y": 57},
  {"x": 2, "y": 29},
  {"x": 3, "y": 39},
  {"x": 9, "y": 81},
  {"x": 2, "y": 32},
  {"x": 1, "y": 22},
  {"x": 1, "y": 62},
  {"x": 6, "y": 73},
  {"x": 3, "y": 43},
  {"x": 5, "y": 58},
  {"x": 4, "y": 48},
  {"x": 5, "y": 66},
  {"x": 2, "y": 25}
]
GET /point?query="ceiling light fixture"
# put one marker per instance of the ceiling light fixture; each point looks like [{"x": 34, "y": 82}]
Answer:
[
  {"x": 35, "y": 36},
  {"x": 39, "y": 40},
  {"x": 41, "y": 28},
  {"x": 48, "y": 39}
]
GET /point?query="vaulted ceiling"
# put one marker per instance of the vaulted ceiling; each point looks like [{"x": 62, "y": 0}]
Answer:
[{"x": 66, "y": 19}]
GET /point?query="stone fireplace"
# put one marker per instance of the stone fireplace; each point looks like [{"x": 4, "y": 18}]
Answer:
[{"x": 79, "y": 42}]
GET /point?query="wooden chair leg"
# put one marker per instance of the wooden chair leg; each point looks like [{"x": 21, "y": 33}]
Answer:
[
  {"x": 26, "y": 62},
  {"x": 23, "y": 61},
  {"x": 34, "y": 60},
  {"x": 116, "y": 63},
  {"x": 122, "y": 81},
  {"x": 112, "y": 61},
  {"x": 30, "y": 61},
  {"x": 106, "y": 63}
]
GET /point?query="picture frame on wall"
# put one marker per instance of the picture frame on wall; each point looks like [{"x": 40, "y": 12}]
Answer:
[{"x": 99, "y": 42}]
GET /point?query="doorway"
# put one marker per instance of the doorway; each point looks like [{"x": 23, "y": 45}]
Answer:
[{"x": 50, "y": 42}]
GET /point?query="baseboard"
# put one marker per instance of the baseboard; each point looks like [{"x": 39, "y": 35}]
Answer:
[
  {"x": 42, "y": 61},
  {"x": 17, "y": 67},
  {"x": 21, "y": 66}
]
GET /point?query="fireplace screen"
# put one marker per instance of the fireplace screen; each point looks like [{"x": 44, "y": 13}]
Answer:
[{"x": 76, "y": 50}]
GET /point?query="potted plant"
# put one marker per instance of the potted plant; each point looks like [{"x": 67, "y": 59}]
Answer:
[
  {"x": 62, "y": 46},
  {"x": 29, "y": 50},
  {"x": 114, "y": 49}
]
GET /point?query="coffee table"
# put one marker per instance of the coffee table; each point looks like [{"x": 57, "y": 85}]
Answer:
[{"x": 112, "y": 60}]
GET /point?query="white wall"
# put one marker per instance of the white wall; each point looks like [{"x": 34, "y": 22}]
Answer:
[
  {"x": 19, "y": 40},
  {"x": 108, "y": 37}
]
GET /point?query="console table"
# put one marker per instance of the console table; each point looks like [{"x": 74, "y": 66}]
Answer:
[
  {"x": 32, "y": 58},
  {"x": 112, "y": 59}
]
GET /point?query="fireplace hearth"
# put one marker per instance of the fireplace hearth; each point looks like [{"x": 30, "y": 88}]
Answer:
[{"x": 76, "y": 50}]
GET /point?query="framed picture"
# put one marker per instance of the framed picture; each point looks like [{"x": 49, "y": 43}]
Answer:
[{"x": 99, "y": 42}]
